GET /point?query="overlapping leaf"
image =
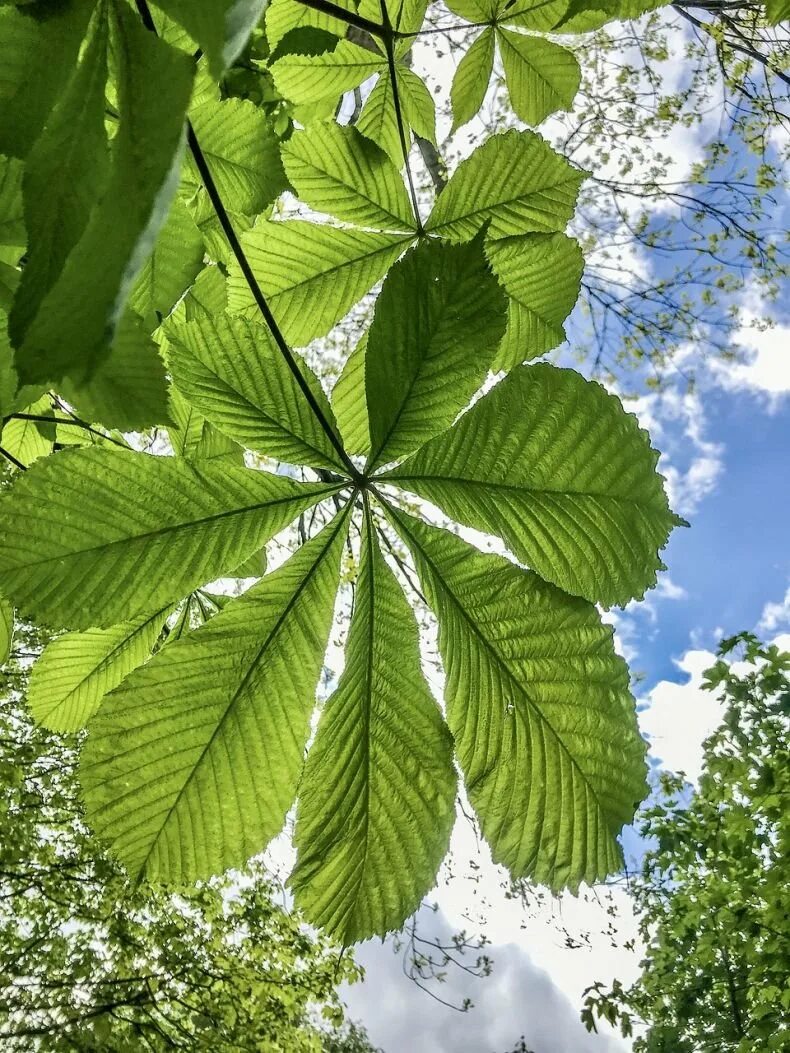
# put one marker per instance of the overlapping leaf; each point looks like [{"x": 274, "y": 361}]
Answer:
[
  {"x": 235, "y": 699},
  {"x": 553, "y": 464},
  {"x": 220, "y": 27},
  {"x": 76, "y": 670},
  {"x": 75, "y": 320},
  {"x": 376, "y": 801},
  {"x": 438, "y": 322},
  {"x": 232, "y": 372},
  {"x": 337, "y": 171},
  {"x": 126, "y": 533},
  {"x": 538, "y": 704}
]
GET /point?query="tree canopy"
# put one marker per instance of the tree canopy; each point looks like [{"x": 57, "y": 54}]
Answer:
[{"x": 712, "y": 890}]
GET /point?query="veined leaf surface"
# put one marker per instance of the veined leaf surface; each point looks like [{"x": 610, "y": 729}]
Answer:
[
  {"x": 553, "y": 464},
  {"x": 235, "y": 696},
  {"x": 377, "y": 798},
  {"x": 126, "y": 533},
  {"x": 539, "y": 707}
]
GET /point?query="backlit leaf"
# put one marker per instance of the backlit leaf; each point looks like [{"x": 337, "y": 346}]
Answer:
[
  {"x": 232, "y": 371},
  {"x": 76, "y": 670},
  {"x": 311, "y": 274},
  {"x": 337, "y": 171},
  {"x": 538, "y": 703},
  {"x": 377, "y": 798},
  {"x": 439, "y": 319},
  {"x": 514, "y": 182},
  {"x": 236, "y": 696},
  {"x": 541, "y": 76},
  {"x": 472, "y": 75},
  {"x": 127, "y": 533},
  {"x": 553, "y": 464}
]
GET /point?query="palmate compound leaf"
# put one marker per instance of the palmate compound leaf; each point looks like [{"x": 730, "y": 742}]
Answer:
[
  {"x": 311, "y": 274},
  {"x": 553, "y": 465},
  {"x": 192, "y": 764},
  {"x": 126, "y": 533},
  {"x": 377, "y": 797},
  {"x": 74, "y": 324},
  {"x": 438, "y": 322},
  {"x": 76, "y": 670},
  {"x": 541, "y": 273},
  {"x": 336, "y": 170},
  {"x": 232, "y": 372},
  {"x": 514, "y": 182},
  {"x": 538, "y": 703}
]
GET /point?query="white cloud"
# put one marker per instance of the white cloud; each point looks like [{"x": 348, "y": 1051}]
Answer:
[
  {"x": 767, "y": 369},
  {"x": 518, "y": 998},
  {"x": 690, "y": 462},
  {"x": 677, "y": 718},
  {"x": 775, "y": 615}
]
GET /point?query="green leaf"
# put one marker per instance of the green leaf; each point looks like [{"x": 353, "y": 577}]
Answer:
[
  {"x": 514, "y": 182},
  {"x": 128, "y": 389},
  {"x": 438, "y": 322},
  {"x": 311, "y": 78},
  {"x": 65, "y": 175},
  {"x": 377, "y": 798},
  {"x": 236, "y": 697},
  {"x": 28, "y": 440},
  {"x": 232, "y": 371},
  {"x": 541, "y": 273},
  {"x": 475, "y": 10},
  {"x": 553, "y": 464},
  {"x": 220, "y": 27},
  {"x": 12, "y": 217},
  {"x": 349, "y": 404},
  {"x": 311, "y": 274},
  {"x": 6, "y": 629},
  {"x": 777, "y": 11},
  {"x": 378, "y": 120},
  {"x": 215, "y": 446},
  {"x": 126, "y": 533},
  {"x": 336, "y": 170},
  {"x": 283, "y": 16},
  {"x": 584, "y": 15},
  {"x": 76, "y": 670},
  {"x": 538, "y": 703},
  {"x": 542, "y": 15},
  {"x": 186, "y": 425},
  {"x": 74, "y": 325},
  {"x": 242, "y": 152},
  {"x": 541, "y": 76},
  {"x": 38, "y": 50},
  {"x": 419, "y": 109},
  {"x": 176, "y": 259},
  {"x": 471, "y": 78}
]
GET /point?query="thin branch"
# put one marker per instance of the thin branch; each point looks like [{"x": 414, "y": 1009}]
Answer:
[
  {"x": 389, "y": 45},
  {"x": 10, "y": 457}
]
